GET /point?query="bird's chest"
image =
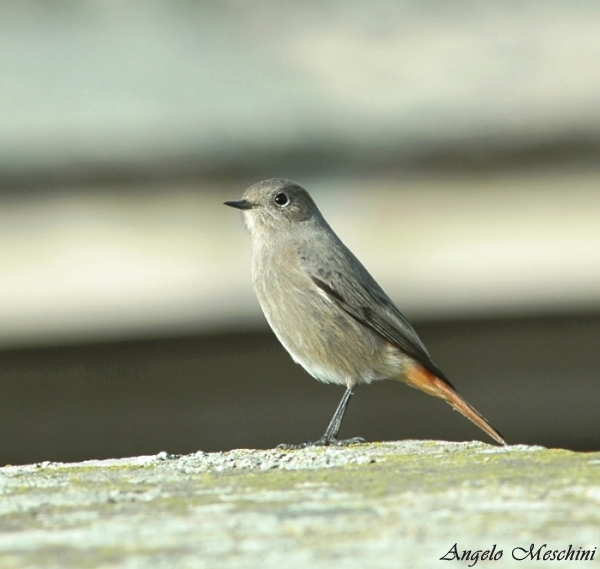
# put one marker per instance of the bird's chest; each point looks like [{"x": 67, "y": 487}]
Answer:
[
  {"x": 316, "y": 332},
  {"x": 298, "y": 314}
]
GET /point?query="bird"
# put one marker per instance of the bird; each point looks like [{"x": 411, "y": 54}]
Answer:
[{"x": 327, "y": 310}]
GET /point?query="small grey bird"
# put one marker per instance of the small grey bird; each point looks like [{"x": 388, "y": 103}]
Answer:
[{"x": 327, "y": 310}]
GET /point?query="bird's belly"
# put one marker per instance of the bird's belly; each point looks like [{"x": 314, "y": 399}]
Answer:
[{"x": 328, "y": 343}]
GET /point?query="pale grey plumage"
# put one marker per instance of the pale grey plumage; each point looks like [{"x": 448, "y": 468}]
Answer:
[{"x": 321, "y": 302}]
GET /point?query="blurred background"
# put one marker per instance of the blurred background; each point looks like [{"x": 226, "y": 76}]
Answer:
[{"x": 453, "y": 147}]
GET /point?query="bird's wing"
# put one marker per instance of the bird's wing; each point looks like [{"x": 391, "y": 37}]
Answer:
[{"x": 364, "y": 300}]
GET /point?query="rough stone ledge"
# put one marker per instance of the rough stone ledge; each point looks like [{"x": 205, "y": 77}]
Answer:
[{"x": 396, "y": 504}]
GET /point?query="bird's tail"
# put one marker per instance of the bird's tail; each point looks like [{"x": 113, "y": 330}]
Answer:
[{"x": 417, "y": 376}]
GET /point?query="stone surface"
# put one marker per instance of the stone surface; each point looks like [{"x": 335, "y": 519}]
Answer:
[{"x": 390, "y": 505}]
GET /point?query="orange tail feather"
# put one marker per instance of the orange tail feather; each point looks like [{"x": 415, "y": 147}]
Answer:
[{"x": 417, "y": 376}]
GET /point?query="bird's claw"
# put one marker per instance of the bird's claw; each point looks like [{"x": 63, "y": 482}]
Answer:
[{"x": 323, "y": 442}]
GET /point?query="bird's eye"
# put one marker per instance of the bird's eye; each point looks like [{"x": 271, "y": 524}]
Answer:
[{"x": 281, "y": 199}]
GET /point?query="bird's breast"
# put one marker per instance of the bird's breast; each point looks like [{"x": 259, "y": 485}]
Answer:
[{"x": 319, "y": 335}]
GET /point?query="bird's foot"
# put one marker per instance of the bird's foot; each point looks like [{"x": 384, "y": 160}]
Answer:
[{"x": 324, "y": 442}]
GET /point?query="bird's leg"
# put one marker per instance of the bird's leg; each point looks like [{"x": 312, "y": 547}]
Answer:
[
  {"x": 331, "y": 433},
  {"x": 330, "y": 436}
]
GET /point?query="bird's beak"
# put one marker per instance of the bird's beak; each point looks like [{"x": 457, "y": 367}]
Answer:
[{"x": 240, "y": 204}]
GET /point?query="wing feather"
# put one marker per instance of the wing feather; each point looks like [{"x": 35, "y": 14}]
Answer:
[{"x": 370, "y": 306}]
